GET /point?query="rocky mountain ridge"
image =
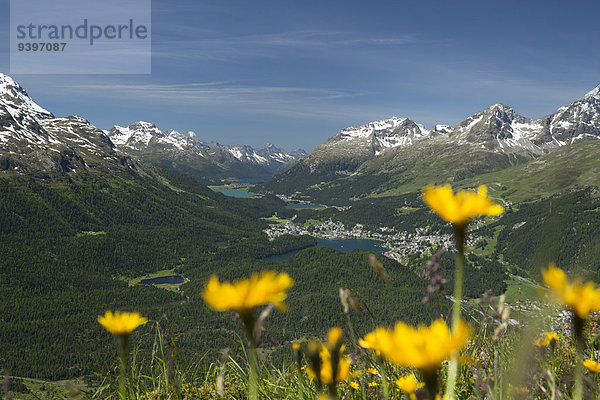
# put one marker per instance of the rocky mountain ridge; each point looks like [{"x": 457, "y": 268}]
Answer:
[
  {"x": 489, "y": 140},
  {"x": 34, "y": 141}
]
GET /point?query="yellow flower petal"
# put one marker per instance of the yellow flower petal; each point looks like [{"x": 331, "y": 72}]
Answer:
[
  {"x": 343, "y": 366},
  {"x": 459, "y": 208},
  {"x": 424, "y": 347},
  {"x": 591, "y": 365},
  {"x": 244, "y": 295},
  {"x": 121, "y": 323},
  {"x": 407, "y": 384},
  {"x": 582, "y": 299},
  {"x": 334, "y": 336}
]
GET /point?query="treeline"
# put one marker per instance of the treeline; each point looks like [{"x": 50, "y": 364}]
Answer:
[
  {"x": 65, "y": 247},
  {"x": 563, "y": 229}
]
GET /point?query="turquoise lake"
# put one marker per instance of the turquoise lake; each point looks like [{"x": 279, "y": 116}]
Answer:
[
  {"x": 244, "y": 193},
  {"x": 239, "y": 193},
  {"x": 343, "y": 245}
]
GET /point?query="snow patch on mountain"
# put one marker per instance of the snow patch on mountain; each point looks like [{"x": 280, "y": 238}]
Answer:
[
  {"x": 16, "y": 99},
  {"x": 144, "y": 138}
]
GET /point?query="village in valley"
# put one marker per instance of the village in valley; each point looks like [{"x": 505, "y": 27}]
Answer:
[{"x": 400, "y": 245}]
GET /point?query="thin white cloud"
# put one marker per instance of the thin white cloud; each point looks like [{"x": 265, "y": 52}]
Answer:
[
  {"x": 223, "y": 96},
  {"x": 219, "y": 47}
]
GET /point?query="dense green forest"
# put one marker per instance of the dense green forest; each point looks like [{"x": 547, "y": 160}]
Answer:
[{"x": 69, "y": 247}]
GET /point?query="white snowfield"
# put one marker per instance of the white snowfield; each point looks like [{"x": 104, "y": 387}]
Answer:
[{"x": 498, "y": 127}]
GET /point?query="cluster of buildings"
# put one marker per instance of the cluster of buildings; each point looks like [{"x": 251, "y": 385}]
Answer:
[{"x": 400, "y": 244}]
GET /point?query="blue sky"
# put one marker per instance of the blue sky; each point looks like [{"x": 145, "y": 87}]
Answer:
[{"x": 293, "y": 73}]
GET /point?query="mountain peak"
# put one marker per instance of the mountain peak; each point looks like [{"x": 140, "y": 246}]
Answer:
[
  {"x": 385, "y": 126},
  {"x": 595, "y": 93},
  {"x": 14, "y": 96},
  {"x": 499, "y": 105}
]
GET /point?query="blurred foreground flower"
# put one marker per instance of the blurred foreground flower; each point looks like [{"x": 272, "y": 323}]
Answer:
[
  {"x": 424, "y": 347},
  {"x": 582, "y": 299},
  {"x": 592, "y": 366},
  {"x": 243, "y": 296},
  {"x": 546, "y": 340},
  {"x": 329, "y": 365},
  {"x": 409, "y": 385},
  {"x": 121, "y": 324},
  {"x": 459, "y": 208}
]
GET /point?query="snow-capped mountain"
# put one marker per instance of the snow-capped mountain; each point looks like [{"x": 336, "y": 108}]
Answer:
[
  {"x": 354, "y": 145},
  {"x": 187, "y": 152},
  {"x": 381, "y": 135},
  {"x": 33, "y": 140},
  {"x": 146, "y": 137},
  {"x": 494, "y": 138},
  {"x": 498, "y": 128},
  {"x": 574, "y": 122},
  {"x": 16, "y": 99}
]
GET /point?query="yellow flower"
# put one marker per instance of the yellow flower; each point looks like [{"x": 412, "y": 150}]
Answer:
[
  {"x": 422, "y": 347},
  {"x": 545, "y": 341},
  {"x": 343, "y": 368},
  {"x": 459, "y": 208},
  {"x": 593, "y": 366},
  {"x": 333, "y": 346},
  {"x": 372, "y": 384},
  {"x": 582, "y": 299},
  {"x": 409, "y": 384},
  {"x": 121, "y": 323},
  {"x": 244, "y": 295},
  {"x": 296, "y": 346},
  {"x": 334, "y": 335},
  {"x": 374, "y": 339},
  {"x": 372, "y": 371},
  {"x": 354, "y": 385}
]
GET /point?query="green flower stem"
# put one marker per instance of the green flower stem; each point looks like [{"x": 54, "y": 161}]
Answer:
[
  {"x": 431, "y": 383},
  {"x": 361, "y": 352},
  {"x": 460, "y": 233},
  {"x": 253, "y": 374},
  {"x": 123, "y": 347},
  {"x": 384, "y": 383},
  {"x": 579, "y": 344},
  {"x": 248, "y": 321}
]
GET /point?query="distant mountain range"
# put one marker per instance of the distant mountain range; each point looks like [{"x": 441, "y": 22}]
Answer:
[
  {"x": 385, "y": 156},
  {"x": 34, "y": 141},
  {"x": 205, "y": 161}
]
